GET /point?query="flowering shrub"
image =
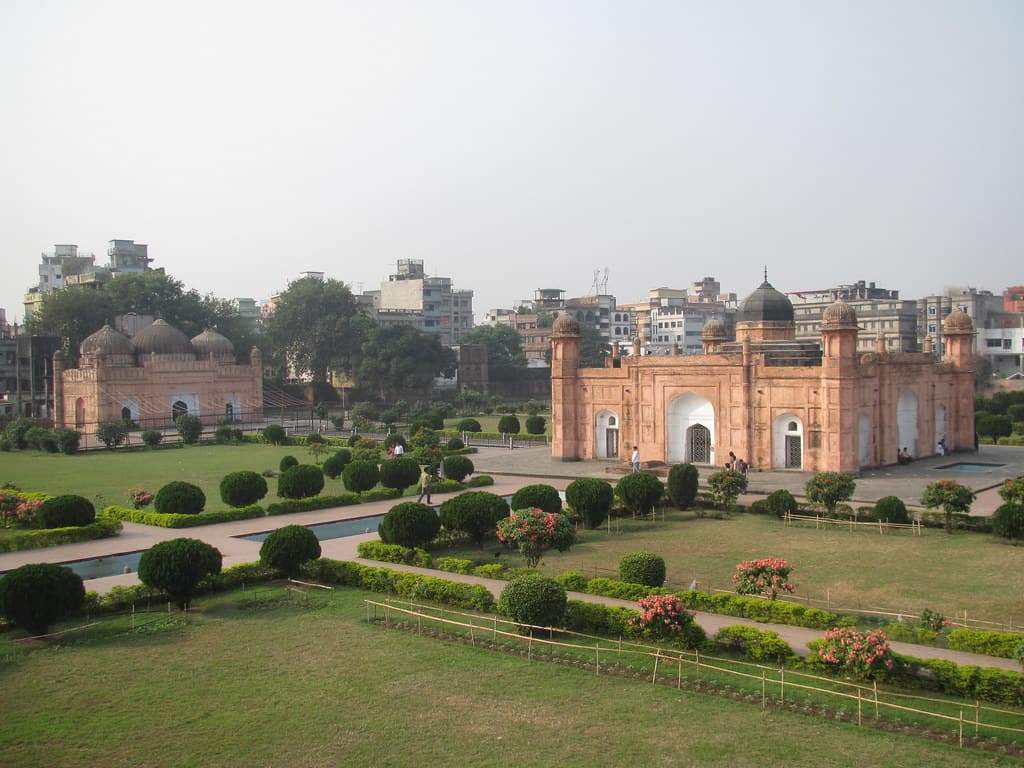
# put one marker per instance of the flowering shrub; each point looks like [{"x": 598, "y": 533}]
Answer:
[
  {"x": 535, "y": 531},
  {"x": 140, "y": 498},
  {"x": 26, "y": 511},
  {"x": 829, "y": 488},
  {"x": 846, "y": 649},
  {"x": 1012, "y": 491},
  {"x": 9, "y": 501},
  {"x": 950, "y": 496},
  {"x": 934, "y": 620},
  {"x": 765, "y": 577},
  {"x": 664, "y": 617},
  {"x": 725, "y": 485}
]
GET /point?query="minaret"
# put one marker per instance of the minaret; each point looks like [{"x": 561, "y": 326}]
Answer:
[{"x": 565, "y": 364}]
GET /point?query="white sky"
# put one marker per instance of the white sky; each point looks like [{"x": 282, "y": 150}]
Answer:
[{"x": 518, "y": 145}]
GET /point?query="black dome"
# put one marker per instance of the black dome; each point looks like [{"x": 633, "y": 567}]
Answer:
[{"x": 765, "y": 305}]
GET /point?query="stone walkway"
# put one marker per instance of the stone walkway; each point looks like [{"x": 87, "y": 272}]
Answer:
[{"x": 523, "y": 466}]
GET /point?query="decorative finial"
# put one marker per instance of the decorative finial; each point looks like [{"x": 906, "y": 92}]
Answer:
[{"x": 766, "y": 273}]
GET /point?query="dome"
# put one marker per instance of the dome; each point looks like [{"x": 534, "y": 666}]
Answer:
[
  {"x": 565, "y": 325},
  {"x": 162, "y": 339},
  {"x": 714, "y": 330},
  {"x": 106, "y": 341},
  {"x": 210, "y": 342},
  {"x": 957, "y": 321},
  {"x": 765, "y": 305},
  {"x": 839, "y": 315}
]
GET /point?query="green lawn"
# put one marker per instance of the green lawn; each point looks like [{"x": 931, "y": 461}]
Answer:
[
  {"x": 490, "y": 423},
  {"x": 284, "y": 685}
]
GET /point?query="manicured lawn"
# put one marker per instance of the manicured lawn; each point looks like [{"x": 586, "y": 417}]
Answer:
[
  {"x": 285, "y": 685},
  {"x": 490, "y": 423}
]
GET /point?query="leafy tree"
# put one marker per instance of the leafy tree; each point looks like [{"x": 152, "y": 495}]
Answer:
[
  {"x": 534, "y": 531},
  {"x": 401, "y": 358},
  {"x": 409, "y": 524},
  {"x": 952, "y": 497},
  {"x": 534, "y": 600},
  {"x": 591, "y": 498},
  {"x": 535, "y": 425},
  {"x": 72, "y": 314},
  {"x": 1012, "y": 491},
  {"x": 508, "y": 425},
  {"x": 300, "y": 482},
  {"x": 401, "y": 473},
  {"x": 177, "y": 566},
  {"x": 470, "y": 400},
  {"x": 830, "y": 488},
  {"x": 780, "y": 503},
  {"x": 995, "y": 426},
  {"x": 1008, "y": 521},
  {"x": 594, "y": 347},
  {"x": 335, "y": 464},
  {"x": 360, "y": 476},
  {"x": 111, "y": 433},
  {"x": 189, "y": 427},
  {"x": 726, "y": 485},
  {"x": 287, "y": 548},
  {"x": 457, "y": 468},
  {"x": 639, "y": 492},
  {"x": 34, "y": 596},
  {"x": 682, "y": 485},
  {"x": 317, "y": 445},
  {"x": 538, "y": 496},
  {"x": 505, "y": 358},
  {"x": 242, "y": 488},
  {"x": 474, "y": 513},
  {"x": 274, "y": 434}
]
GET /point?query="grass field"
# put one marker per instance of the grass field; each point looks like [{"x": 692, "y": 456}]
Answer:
[{"x": 278, "y": 684}]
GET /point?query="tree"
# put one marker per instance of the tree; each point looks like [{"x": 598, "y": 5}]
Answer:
[
  {"x": 111, "y": 433},
  {"x": 639, "y": 492},
  {"x": 829, "y": 488},
  {"x": 72, "y": 314},
  {"x": 316, "y": 327},
  {"x": 591, "y": 498},
  {"x": 505, "y": 358},
  {"x": 242, "y": 488},
  {"x": 34, "y": 596},
  {"x": 995, "y": 426},
  {"x": 594, "y": 347},
  {"x": 508, "y": 425},
  {"x": 952, "y": 497},
  {"x": 766, "y": 577},
  {"x": 534, "y": 531},
  {"x": 177, "y": 566},
  {"x": 399, "y": 473},
  {"x": 409, "y": 524},
  {"x": 317, "y": 445},
  {"x": 189, "y": 427},
  {"x": 475, "y": 513},
  {"x": 682, "y": 485},
  {"x": 398, "y": 359},
  {"x": 287, "y": 548},
  {"x": 534, "y": 600}
]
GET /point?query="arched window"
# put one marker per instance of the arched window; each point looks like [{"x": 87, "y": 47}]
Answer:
[
  {"x": 178, "y": 409},
  {"x": 229, "y": 412},
  {"x": 126, "y": 413}
]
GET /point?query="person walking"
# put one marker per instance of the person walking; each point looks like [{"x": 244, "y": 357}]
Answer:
[
  {"x": 635, "y": 460},
  {"x": 425, "y": 481}
]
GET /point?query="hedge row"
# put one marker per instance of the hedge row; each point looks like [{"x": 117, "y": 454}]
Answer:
[
  {"x": 313, "y": 502},
  {"x": 985, "y": 641},
  {"x": 164, "y": 520},
  {"x": 19, "y": 541},
  {"x": 394, "y": 553},
  {"x": 410, "y": 585}
]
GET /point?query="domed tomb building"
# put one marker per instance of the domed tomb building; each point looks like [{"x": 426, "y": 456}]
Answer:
[
  {"x": 774, "y": 401},
  {"x": 154, "y": 377}
]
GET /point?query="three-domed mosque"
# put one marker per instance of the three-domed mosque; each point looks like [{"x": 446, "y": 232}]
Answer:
[
  {"x": 154, "y": 377},
  {"x": 772, "y": 400}
]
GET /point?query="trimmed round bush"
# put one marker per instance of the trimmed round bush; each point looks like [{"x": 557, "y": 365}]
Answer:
[
  {"x": 642, "y": 568},
  {"x": 1008, "y": 521},
  {"x": 457, "y": 468},
  {"x": 409, "y": 524},
  {"x": 180, "y": 498},
  {"x": 474, "y": 513},
  {"x": 508, "y": 425},
  {"x": 682, "y": 485},
  {"x": 152, "y": 437},
  {"x": 591, "y": 499},
  {"x": 469, "y": 425},
  {"x": 275, "y": 434},
  {"x": 401, "y": 473},
  {"x": 534, "y": 600},
  {"x": 360, "y": 476},
  {"x": 240, "y": 489},
  {"x": 334, "y": 464},
  {"x": 891, "y": 509},
  {"x": 189, "y": 427},
  {"x": 65, "y": 511},
  {"x": 537, "y": 496},
  {"x": 300, "y": 482},
  {"x": 34, "y": 596},
  {"x": 287, "y": 462},
  {"x": 535, "y": 425},
  {"x": 177, "y": 566},
  {"x": 639, "y": 492},
  {"x": 286, "y": 549},
  {"x": 781, "y": 502},
  {"x": 455, "y": 445}
]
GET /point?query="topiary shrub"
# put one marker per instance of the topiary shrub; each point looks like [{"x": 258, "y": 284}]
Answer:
[
  {"x": 457, "y": 468},
  {"x": 535, "y": 425},
  {"x": 287, "y": 462},
  {"x": 780, "y": 503},
  {"x": 642, "y": 568},
  {"x": 68, "y": 440},
  {"x": 286, "y": 549},
  {"x": 34, "y": 596},
  {"x": 757, "y": 644},
  {"x": 409, "y": 525},
  {"x": 474, "y": 513},
  {"x": 240, "y": 489},
  {"x": 152, "y": 437},
  {"x": 891, "y": 509},
  {"x": 537, "y": 496},
  {"x": 1008, "y": 521},
  {"x": 65, "y": 511},
  {"x": 454, "y": 445},
  {"x": 469, "y": 425},
  {"x": 360, "y": 476},
  {"x": 180, "y": 498},
  {"x": 534, "y": 600},
  {"x": 275, "y": 434},
  {"x": 177, "y": 566},
  {"x": 639, "y": 492},
  {"x": 189, "y": 427},
  {"x": 400, "y": 473},
  {"x": 591, "y": 499},
  {"x": 300, "y": 482},
  {"x": 682, "y": 485},
  {"x": 508, "y": 425},
  {"x": 334, "y": 465}
]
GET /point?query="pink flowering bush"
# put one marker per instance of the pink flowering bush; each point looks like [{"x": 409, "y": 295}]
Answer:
[
  {"x": 534, "y": 531},
  {"x": 952, "y": 497},
  {"x": 9, "y": 501},
  {"x": 26, "y": 511},
  {"x": 140, "y": 498},
  {"x": 767, "y": 577},
  {"x": 829, "y": 488},
  {"x": 665, "y": 617},
  {"x": 847, "y": 650}
]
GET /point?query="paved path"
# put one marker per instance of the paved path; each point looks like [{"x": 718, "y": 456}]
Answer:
[{"x": 523, "y": 466}]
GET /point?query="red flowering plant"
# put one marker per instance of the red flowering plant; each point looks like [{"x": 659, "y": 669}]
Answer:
[
  {"x": 25, "y": 513},
  {"x": 829, "y": 488},
  {"x": 767, "y": 577},
  {"x": 847, "y": 650},
  {"x": 952, "y": 497},
  {"x": 534, "y": 531},
  {"x": 140, "y": 498},
  {"x": 9, "y": 501},
  {"x": 665, "y": 617}
]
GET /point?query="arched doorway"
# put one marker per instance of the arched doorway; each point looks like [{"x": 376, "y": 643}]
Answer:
[
  {"x": 229, "y": 411},
  {"x": 79, "y": 413},
  {"x": 864, "y": 439},
  {"x": 685, "y": 442},
  {"x": 940, "y": 426},
  {"x": 177, "y": 409},
  {"x": 906, "y": 422},
  {"x": 606, "y": 435},
  {"x": 788, "y": 442}
]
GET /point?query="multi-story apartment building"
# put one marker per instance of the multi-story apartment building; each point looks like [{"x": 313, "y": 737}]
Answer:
[
  {"x": 673, "y": 318},
  {"x": 432, "y": 301},
  {"x": 26, "y": 376},
  {"x": 880, "y": 313},
  {"x": 985, "y": 310}
]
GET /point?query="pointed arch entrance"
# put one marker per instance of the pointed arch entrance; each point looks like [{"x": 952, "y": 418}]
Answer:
[
  {"x": 788, "y": 442},
  {"x": 606, "y": 435},
  {"x": 906, "y": 422},
  {"x": 691, "y": 430}
]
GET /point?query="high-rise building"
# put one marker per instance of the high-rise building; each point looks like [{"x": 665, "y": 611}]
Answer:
[{"x": 411, "y": 296}]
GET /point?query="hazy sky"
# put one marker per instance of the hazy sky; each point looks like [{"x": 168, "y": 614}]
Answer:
[{"x": 518, "y": 145}]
